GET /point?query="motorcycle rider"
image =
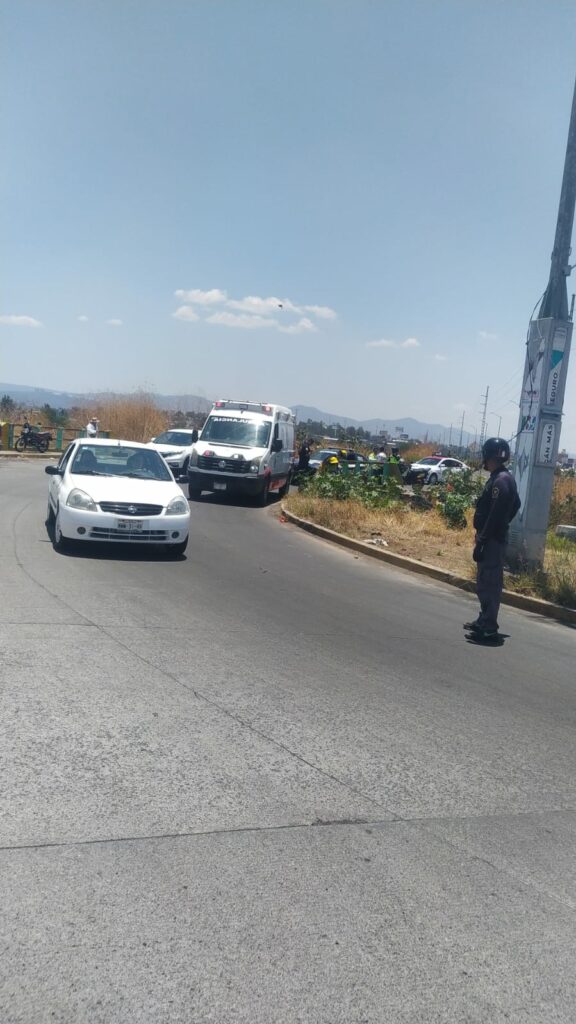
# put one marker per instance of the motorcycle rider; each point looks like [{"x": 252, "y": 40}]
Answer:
[{"x": 495, "y": 510}]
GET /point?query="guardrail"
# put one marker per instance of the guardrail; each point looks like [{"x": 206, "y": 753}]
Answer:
[{"x": 10, "y": 432}]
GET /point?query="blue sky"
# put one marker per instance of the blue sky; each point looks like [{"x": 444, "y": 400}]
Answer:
[{"x": 342, "y": 204}]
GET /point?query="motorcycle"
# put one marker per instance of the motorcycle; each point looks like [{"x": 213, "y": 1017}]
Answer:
[{"x": 30, "y": 438}]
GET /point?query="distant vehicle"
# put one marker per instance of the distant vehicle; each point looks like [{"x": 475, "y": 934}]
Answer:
[
  {"x": 244, "y": 448},
  {"x": 354, "y": 460},
  {"x": 433, "y": 469},
  {"x": 116, "y": 491},
  {"x": 175, "y": 446}
]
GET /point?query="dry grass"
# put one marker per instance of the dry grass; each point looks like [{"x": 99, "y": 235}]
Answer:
[
  {"x": 563, "y": 506},
  {"x": 426, "y": 537},
  {"x": 132, "y": 418},
  {"x": 421, "y": 535}
]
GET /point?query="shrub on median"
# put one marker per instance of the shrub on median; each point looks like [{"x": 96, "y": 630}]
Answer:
[{"x": 365, "y": 487}]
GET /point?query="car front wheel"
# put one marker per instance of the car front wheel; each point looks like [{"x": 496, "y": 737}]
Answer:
[
  {"x": 433, "y": 479},
  {"x": 60, "y": 542},
  {"x": 175, "y": 550}
]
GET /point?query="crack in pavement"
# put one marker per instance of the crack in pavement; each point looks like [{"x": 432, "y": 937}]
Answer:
[
  {"x": 193, "y": 834},
  {"x": 190, "y": 689}
]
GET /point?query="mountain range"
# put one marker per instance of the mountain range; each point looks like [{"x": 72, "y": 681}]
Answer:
[{"x": 28, "y": 395}]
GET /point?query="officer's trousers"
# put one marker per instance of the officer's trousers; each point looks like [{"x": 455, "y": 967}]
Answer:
[{"x": 489, "y": 584}]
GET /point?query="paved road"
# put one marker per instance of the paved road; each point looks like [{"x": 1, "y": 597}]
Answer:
[{"x": 272, "y": 784}]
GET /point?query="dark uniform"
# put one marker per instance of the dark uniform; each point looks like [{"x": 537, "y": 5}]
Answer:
[
  {"x": 304, "y": 456},
  {"x": 495, "y": 510}
]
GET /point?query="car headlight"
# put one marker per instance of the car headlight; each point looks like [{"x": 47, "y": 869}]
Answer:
[
  {"x": 255, "y": 466},
  {"x": 177, "y": 507},
  {"x": 79, "y": 499}
]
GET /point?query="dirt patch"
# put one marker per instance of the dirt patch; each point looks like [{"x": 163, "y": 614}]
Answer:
[{"x": 425, "y": 536}]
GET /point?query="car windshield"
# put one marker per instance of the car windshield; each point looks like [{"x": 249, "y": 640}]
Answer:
[
  {"x": 119, "y": 460},
  {"x": 429, "y": 462},
  {"x": 323, "y": 454},
  {"x": 176, "y": 437},
  {"x": 237, "y": 432}
]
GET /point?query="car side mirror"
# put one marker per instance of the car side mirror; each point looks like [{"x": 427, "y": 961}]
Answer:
[
  {"x": 276, "y": 445},
  {"x": 53, "y": 470}
]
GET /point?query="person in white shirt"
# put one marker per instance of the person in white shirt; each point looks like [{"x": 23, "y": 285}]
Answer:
[{"x": 92, "y": 427}]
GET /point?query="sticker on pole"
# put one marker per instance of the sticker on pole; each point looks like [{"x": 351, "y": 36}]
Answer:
[
  {"x": 546, "y": 448},
  {"x": 555, "y": 365}
]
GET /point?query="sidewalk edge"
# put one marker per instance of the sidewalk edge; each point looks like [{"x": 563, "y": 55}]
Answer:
[{"x": 523, "y": 601}]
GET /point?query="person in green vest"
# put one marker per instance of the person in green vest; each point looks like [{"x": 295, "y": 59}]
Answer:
[{"x": 395, "y": 463}]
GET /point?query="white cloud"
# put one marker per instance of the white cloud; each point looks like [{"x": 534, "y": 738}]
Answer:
[
  {"x": 440, "y": 358},
  {"x": 82, "y": 319},
  {"x": 487, "y": 336},
  {"x": 322, "y": 312},
  {"x": 252, "y": 311},
  {"x": 303, "y": 325},
  {"x": 262, "y": 307},
  {"x": 20, "y": 321},
  {"x": 185, "y": 313},
  {"x": 410, "y": 343},
  {"x": 212, "y": 297},
  {"x": 114, "y": 323},
  {"x": 243, "y": 320}
]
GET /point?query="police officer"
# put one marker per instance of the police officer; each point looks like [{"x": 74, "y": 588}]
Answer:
[
  {"x": 304, "y": 454},
  {"x": 495, "y": 510}
]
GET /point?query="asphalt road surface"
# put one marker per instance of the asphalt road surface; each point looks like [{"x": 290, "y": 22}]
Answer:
[{"x": 271, "y": 783}]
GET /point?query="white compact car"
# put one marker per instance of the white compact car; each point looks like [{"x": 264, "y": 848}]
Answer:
[
  {"x": 116, "y": 491},
  {"x": 434, "y": 468},
  {"x": 175, "y": 447}
]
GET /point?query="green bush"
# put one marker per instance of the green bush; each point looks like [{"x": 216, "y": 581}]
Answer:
[
  {"x": 367, "y": 488},
  {"x": 456, "y": 494}
]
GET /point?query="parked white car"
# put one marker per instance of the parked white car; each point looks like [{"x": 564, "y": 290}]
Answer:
[
  {"x": 434, "y": 468},
  {"x": 175, "y": 447},
  {"x": 116, "y": 491}
]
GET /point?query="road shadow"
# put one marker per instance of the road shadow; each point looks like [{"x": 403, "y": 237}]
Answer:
[
  {"x": 497, "y": 641},
  {"x": 233, "y": 500},
  {"x": 115, "y": 551}
]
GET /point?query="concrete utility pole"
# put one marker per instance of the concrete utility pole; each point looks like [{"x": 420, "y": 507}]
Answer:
[{"x": 544, "y": 382}]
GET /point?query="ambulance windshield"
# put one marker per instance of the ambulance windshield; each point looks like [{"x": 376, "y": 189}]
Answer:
[{"x": 238, "y": 432}]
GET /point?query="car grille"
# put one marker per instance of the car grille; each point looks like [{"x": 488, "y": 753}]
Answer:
[
  {"x": 215, "y": 465},
  {"x": 128, "y": 536},
  {"x": 130, "y": 508}
]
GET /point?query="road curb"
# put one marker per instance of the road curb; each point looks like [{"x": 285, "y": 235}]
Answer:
[
  {"x": 30, "y": 455},
  {"x": 529, "y": 604}
]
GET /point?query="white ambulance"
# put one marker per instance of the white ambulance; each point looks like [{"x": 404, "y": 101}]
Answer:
[{"x": 244, "y": 448}]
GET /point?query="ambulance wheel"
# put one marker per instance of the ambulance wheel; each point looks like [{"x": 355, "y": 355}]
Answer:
[
  {"x": 283, "y": 491},
  {"x": 262, "y": 497}
]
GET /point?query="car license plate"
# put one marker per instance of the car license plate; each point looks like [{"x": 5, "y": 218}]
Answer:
[
  {"x": 219, "y": 487},
  {"x": 131, "y": 525}
]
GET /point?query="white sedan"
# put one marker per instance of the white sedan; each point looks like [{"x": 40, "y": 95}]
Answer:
[
  {"x": 116, "y": 491},
  {"x": 434, "y": 468},
  {"x": 175, "y": 446}
]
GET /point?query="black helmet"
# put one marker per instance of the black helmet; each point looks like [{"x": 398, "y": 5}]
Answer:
[{"x": 496, "y": 448}]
